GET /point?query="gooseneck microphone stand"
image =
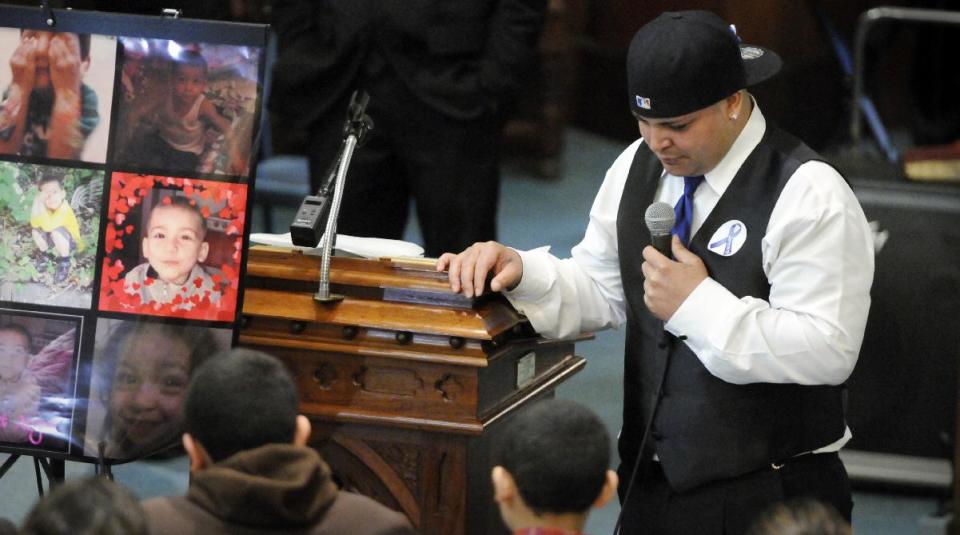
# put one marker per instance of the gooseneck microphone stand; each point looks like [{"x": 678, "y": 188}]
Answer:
[{"x": 356, "y": 128}]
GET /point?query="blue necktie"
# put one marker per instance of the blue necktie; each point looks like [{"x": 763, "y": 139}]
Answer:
[{"x": 684, "y": 208}]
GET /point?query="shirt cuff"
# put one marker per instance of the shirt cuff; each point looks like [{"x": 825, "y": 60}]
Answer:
[
  {"x": 699, "y": 310},
  {"x": 536, "y": 280}
]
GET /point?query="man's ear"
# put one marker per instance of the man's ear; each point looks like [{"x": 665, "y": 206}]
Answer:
[
  {"x": 733, "y": 105},
  {"x": 608, "y": 490},
  {"x": 504, "y": 487},
  {"x": 301, "y": 434},
  {"x": 199, "y": 458},
  {"x": 204, "y": 251}
]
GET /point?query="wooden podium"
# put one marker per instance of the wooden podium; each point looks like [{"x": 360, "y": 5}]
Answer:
[{"x": 406, "y": 383}]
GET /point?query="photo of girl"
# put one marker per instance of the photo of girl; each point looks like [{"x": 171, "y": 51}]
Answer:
[
  {"x": 38, "y": 363},
  {"x": 52, "y": 219},
  {"x": 173, "y": 247},
  {"x": 187, "y": 107},
  {"x": 139, "y": 379}
]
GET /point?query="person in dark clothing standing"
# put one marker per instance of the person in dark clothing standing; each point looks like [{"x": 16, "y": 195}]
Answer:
[
  {"x": 738, "y": 346},
  {"x": 438, "y": 72},
  {"x": 249, "y": 464}
]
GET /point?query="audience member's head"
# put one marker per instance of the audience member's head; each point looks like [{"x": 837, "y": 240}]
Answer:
[
  {"x": 89, "y": 506},
  {"x": 224, "y": 416},
  {"x": 805, "y": 516},
  {"x": 551, "y": 466}
]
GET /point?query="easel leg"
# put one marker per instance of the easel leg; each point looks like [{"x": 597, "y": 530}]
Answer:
[
  {"x": 8, "y": 463},
  {"x": 55, "y": 470},
  {"x": 37, "y": 463}
]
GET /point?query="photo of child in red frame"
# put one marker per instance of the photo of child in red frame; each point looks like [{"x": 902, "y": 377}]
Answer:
[{"x": 173, "y": 247}]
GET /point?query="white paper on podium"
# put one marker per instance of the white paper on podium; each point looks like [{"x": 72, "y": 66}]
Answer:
[{"x": 353, "y": 245}]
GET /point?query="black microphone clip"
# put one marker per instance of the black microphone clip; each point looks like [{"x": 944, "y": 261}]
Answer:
[
  {"x": 358, "y": 122},
  {"x": 310, "y": 222}
]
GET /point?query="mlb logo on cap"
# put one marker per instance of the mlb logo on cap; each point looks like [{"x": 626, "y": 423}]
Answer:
[{"x": 643, "y": 102}]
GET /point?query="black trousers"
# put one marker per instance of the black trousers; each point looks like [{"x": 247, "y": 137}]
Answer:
[
  {"x": 728, "y": 507},
  {"x": 449, "y": 167}
]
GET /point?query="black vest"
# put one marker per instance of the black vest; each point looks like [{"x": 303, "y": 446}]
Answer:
[{"x": 706, "y": 429}]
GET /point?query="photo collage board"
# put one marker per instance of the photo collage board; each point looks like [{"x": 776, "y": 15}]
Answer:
[{"x": 127, "y": 157}]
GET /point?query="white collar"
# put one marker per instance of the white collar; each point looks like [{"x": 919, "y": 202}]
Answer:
[{"x": 720, "y": 177}]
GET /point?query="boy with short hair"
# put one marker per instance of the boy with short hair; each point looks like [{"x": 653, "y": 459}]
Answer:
[
  {"x": 86, "y": 506},
  {"x": 54, "y": 225},
  {"x": 800, "y": 516},
  {"x": 174, "y": 244},
  {"x": 181, "y": 120},
  {"x": 551, "y": 467},
  {"x": 251, "y": 470}
]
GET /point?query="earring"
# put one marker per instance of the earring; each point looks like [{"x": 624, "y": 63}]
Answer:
[{"x": 733, "y": 116}]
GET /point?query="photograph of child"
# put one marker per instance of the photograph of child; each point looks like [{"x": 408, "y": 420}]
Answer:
[
  {"x": 57, "y": 94},
  {"x": 139, "y": 379},
  {"x": 187, "y": 107},
  {"x": 54, "y": 225},
  {"x": 173, "y": 247},
  {"x": 19, "y": 392},
  {"x": 52, "y": 217},
  {"x": 38, "y": 367}
]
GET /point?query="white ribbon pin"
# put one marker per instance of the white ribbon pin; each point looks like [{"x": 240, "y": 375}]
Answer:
[{"x": 729, "y": 238}]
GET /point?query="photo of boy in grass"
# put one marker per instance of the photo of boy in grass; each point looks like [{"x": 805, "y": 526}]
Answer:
[
  {"x": 55, "y": 228},
  {"x": 50, "y": 217}
]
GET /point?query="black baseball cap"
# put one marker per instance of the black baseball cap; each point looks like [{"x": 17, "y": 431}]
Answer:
[{"x": 683, "y": 61}]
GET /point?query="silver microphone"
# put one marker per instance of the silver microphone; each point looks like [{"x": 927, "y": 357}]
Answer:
[{"x": 660, "y": 219}]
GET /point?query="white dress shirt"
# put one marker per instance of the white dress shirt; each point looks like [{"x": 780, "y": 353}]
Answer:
[{"x": 817, "y": 254}]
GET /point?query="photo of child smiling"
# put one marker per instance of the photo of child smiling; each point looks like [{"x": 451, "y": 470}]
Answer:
[
  {"x": 140, "y": 374},
  {"x": 173, "y": 247}
]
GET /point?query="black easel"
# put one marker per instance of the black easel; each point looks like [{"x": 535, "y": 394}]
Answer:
[{"x": 53, "y": 468}]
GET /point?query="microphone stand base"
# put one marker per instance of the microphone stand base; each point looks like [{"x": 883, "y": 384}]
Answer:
[{"x": 329, "y": 298}]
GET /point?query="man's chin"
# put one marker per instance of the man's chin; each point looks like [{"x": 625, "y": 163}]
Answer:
[{"x": 681, "y": 170}]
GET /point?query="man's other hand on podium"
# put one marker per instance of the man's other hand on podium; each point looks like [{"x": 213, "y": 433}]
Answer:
[{"x": 469, "y": 270}]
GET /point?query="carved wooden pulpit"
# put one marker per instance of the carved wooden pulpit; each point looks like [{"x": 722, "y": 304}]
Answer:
[{"x": 406, "y": 383}]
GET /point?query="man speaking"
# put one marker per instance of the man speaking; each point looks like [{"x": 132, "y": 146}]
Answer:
[{"x": 738, "y": 346}]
